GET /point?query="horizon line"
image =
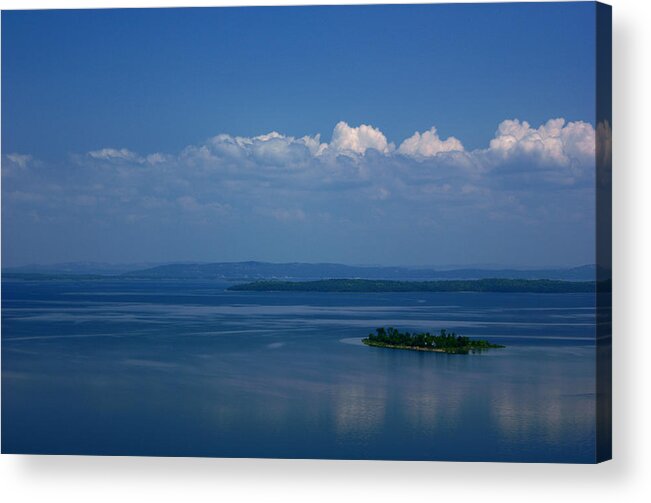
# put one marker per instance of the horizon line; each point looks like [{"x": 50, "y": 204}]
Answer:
[{"x": 151, "y": 264}]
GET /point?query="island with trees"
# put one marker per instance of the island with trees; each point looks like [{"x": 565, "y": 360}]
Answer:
[{"x": 444, "y": 342}]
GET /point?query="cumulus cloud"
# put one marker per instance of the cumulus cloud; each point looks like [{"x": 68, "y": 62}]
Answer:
[
  {"x": 271, "y": 149},
  {"x": 357, "y": 140},
  {"x": 428, "y": 144},
  {"x": 553, "y": 143}
]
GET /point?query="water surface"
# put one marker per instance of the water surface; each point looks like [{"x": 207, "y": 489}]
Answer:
[{"x": 185, "y": 368}]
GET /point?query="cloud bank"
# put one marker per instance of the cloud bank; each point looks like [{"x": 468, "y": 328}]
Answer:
[{"x": 526, "y": 176}]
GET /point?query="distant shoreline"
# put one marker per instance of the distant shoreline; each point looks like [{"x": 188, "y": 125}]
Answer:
[
  {"x": 370, "y": 286},
  {"x": 488, "y": 285},
  {"x": 296, "y": 271}
]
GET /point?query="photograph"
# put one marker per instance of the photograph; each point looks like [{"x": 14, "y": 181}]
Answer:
[{"x": 338, "y": 232}]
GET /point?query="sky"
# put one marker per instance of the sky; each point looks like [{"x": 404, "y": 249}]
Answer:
[{"x": 397, "y": 135}]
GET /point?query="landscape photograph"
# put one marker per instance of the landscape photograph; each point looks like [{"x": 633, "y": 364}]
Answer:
[{"x": 375, "y": 232}]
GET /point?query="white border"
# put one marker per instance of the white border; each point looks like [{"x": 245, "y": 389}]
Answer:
[{"x": 627, "y": 478}]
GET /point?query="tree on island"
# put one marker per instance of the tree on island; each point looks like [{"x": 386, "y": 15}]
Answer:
[{"x": 445, "y": 341}]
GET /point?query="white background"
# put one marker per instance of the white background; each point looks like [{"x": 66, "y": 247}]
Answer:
[{"x": 625, "y": 479}]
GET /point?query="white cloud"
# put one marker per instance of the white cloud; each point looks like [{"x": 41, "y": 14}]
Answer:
[
  {"x": 314, "y": 145},
  {"x": 428, "y": 144},
  {"x": 239, "y": 170},
  {"x": 271, "y": 149},
  {"x": 234, "y": 192},
  {"x": 556, "y": 144},
  {"x": 357, "y": 140},
  {"x": 553, "y": 143},
  {"x": 227, "y": 176},
  {"x": 579, "y": 141},
  {"x": 20, "y": 160},
  {"x": 107, "y": 154},
  {"x": 157, "y": 158},
  {"x": 278, "y": 150}
]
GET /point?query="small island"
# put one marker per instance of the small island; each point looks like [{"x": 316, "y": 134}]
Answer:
[{"x": 444, "y": 342}]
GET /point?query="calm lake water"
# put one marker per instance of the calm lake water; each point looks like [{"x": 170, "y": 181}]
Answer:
[{"x": 185, "y": 368}]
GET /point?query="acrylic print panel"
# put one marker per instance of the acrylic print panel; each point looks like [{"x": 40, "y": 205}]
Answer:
[{"x": 351, "y": 232}]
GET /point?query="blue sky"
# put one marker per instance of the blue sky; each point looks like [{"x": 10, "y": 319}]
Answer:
[{"x": 111, "y": 122}]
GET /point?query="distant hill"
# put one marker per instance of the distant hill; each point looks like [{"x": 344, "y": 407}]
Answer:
[
  {"x": 303, "y": 271},
  {"x": 75, "y": 268}
]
